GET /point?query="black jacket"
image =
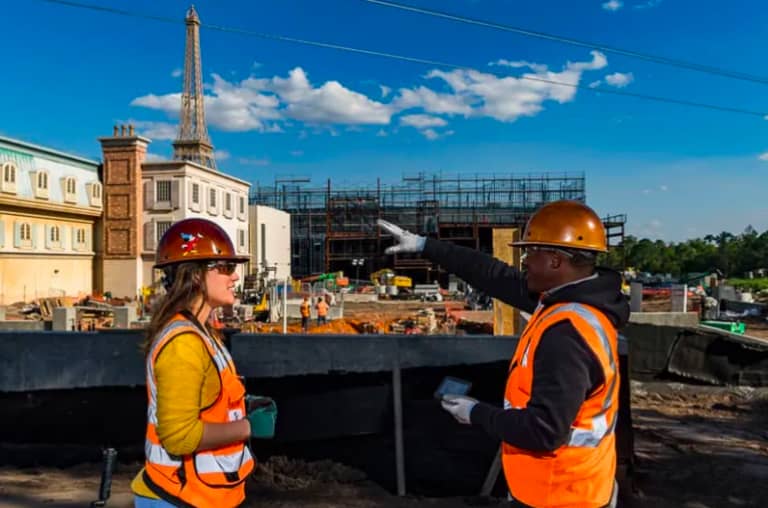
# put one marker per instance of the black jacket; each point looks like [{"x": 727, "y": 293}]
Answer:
[{"x": 565, "y": 368}]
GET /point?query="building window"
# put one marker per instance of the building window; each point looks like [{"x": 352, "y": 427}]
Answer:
[
  {"x": 163, "y": 191},
  {"x": 8, "y": 178},
  {"x": 70, "y": 189},
  {"x": 9, "y": 173},
  {"x": 228, "y": 202},
  {"x": 25, "y": 232},
  {"x": 80, "y": 236},
  {"x": 212, "y": 198},
  {"x": 42, "y": 180},
  {"x": 96, "y": 191},
  {"x": 161, "y": 228},
  {"x": 55, "y": 234},
  {"x": 196, "y": 193},
  {"x": 242, "y": 206},
  {"x": 241, "y": 238}
]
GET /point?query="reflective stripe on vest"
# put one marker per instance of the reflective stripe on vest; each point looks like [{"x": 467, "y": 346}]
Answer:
[
  {"x": 600, "y": 426},
  {"x": 210, "y": 478}
]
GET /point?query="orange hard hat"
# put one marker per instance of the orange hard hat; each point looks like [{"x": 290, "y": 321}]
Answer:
[
  {"x": 567, "y": 224},
  {"x": 195, "y": 239}
]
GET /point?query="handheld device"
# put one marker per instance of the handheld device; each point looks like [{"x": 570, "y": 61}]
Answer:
[{"x": 452, "y": 386}]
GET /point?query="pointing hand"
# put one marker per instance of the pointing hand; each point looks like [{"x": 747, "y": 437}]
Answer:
[{"x": 405, "y": 240}]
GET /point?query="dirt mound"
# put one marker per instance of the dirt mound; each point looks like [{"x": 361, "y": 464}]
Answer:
[{"x": 282, "y": 473}]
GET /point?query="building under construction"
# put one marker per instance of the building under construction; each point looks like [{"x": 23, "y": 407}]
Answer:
[{"x": 334, "y": 228}]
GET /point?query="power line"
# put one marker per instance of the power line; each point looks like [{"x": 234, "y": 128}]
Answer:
[
  {"x": 404, "y": 58},
  {"x": 708, "y": 69}
]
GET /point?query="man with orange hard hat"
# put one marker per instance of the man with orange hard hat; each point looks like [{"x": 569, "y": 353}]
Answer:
[{"x": 557, "y": 426}]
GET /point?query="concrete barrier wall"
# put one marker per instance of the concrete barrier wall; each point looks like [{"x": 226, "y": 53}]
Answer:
[
  {"x": 665, "y": 318},
  {"x": 64, "y": 360}
]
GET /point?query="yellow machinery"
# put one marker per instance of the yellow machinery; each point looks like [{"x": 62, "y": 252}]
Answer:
[{"x": 387, "y": 277}]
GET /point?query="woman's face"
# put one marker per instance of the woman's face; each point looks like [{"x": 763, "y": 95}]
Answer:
[{"x": 220, "y": 281}]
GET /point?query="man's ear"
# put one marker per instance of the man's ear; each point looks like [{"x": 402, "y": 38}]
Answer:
[{"x": 555, "y": 261}]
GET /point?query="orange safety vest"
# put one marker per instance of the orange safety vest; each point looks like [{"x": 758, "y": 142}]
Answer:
[
  {"x": 304, "y": 309},
  {"x": 581, "y": 472},
  {"x": 322, "y": 308},
  {"x": 209, "y": 478}
]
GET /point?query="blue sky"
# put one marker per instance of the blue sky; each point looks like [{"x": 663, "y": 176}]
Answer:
[{"x": 282, "y": 109}]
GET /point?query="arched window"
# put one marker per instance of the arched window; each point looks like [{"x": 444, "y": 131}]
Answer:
[
  {"x": 9, "y": 172},
  {"x": 55, "y": 234},
  {"x": 42, "y": 180}
]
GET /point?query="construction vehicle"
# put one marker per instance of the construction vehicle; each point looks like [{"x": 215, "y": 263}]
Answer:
[
  {"x": 388, "y": 283},
  {"x": 255, "y": 299}
]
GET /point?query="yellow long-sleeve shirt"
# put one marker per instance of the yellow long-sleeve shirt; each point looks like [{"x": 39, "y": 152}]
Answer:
[{"x": 187, "y": 381}]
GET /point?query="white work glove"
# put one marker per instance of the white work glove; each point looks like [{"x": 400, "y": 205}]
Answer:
[
  {"x": 459, "y": 406},
  {"x": 406, "y": 241}
]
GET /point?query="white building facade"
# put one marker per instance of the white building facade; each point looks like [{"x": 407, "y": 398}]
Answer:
[
  {"x": 270, "y": 232},
  {"x": 49, "y": 204}
]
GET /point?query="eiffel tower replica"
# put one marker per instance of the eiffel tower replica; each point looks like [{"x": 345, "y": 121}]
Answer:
[{"x": 193, "y": 143}]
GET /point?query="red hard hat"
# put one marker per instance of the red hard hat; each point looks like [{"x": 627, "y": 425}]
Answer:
[
  {"x": 195, "y": 239},
  {"x": 565, "y": 223}
]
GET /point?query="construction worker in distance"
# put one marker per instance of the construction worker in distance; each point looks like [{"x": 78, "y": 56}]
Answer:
[
  {"x": 561, "y": 396},
  {"x": 305, "y": 310},
  {"x": 198, "y": 416},
  {"x": 322, "y": 311}
]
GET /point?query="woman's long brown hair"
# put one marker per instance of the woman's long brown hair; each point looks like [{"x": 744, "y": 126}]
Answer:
[{"x": 188, "y": 285}]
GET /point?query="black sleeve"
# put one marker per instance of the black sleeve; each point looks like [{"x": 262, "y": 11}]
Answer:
[
  {"x": 486, "y": 273},
  {"x": 565, "y": 372}
]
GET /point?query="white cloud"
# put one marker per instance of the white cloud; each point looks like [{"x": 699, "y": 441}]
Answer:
[
  {"x": 431, "y": 101},
  {"x": 177, "y": 73},
  {"x": 330, "y": 103},
  {"x": 663, "y": 188},
  {"x": 647, "y": 5},
  {"x": 257, "y": 65},
  {"x": 170, "y": 103},
  {"x": 430, "y": 134},
  {"x": 763, "y": 156},
  {"x": 381, "y": 133},
  {"x": 264, "y": 104},
  {"x": 646, "y": 191},
  {"x": 595, "y": 84},
  {"x": 422, "y": 121},
  {"x": 246, "y": 161},
  {"x": 155, "y": 131},
  {"x": 297, "y": 153},
  {"x": 153, "y": 157},
  {"x": 612, "y": 5},
  {"x": 503, "y": 98},
  {"x": 619, "y": 80},
  {"x": 273, "y": 104},
  {"x": 518, "y": 64},
  {"x": 221, "y": 155}
]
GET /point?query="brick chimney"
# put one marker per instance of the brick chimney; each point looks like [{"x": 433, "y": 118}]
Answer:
[{"x": 119, "y": 264}]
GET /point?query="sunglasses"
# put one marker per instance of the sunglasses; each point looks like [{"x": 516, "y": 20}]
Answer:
[
  {"x": 531, "y": 249},
  {"x": 223, "y": 267}
]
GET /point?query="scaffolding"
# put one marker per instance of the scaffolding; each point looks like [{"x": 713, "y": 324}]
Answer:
[{"x": 332, "y": 226}]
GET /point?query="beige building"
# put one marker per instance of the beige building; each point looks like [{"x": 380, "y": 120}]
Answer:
[
  {"x": 270, "y": 232},
  {"x": 49, "y": 204}
]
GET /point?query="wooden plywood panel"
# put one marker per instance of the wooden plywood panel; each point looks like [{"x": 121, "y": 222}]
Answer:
[{"x": 506, "y": 319}]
